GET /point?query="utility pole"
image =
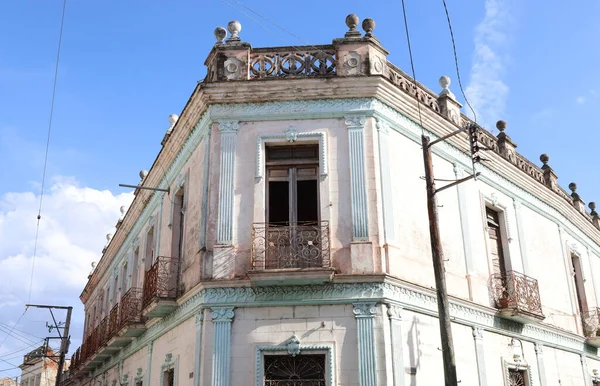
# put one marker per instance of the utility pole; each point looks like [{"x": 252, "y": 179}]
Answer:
[
  {"x": 64, "y": 338},
  {"x": 437, "y": 253}
]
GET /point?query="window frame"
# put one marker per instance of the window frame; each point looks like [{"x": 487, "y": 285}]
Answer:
[
  {"x": 505, "y": 232},
  {"x": 512, "y": 365}
]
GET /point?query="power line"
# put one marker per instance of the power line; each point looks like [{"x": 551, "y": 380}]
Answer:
[
  {"x": 12, "y": 368},
  {"x": 39, "y": 216},
  {"x": 25, "y": 348},
  {"x": 456, "y": 63},
  {"x": 21, "y": 331},
  {"x": 15, "y": 336},
  {"x": 412, "y": 66},
  {"x": 13, "y": 327}
]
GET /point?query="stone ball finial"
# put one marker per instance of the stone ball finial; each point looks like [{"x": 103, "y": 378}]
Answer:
[
  {"x": 501, "y": 125},
  {"x": 352, "y": 21},
  {"x": 234, "y": 27},
  {"x": 592, "y": 206},
  {"x": 173, "y": 119},
  {"x": 220, "y": 34},
  {"x": 445, "y": 82},
  {"x": 368, "y": 25},
  {"x": 123, "y": 209},
  {"x": 573, "y": 187},
  {"x": 545, "y": 158},
  {"x": 108, "y": 236},
  {"x": 143, "y": 174}
]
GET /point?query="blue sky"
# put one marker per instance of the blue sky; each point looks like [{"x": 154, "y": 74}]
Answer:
[{"x": 126, "y": 65}]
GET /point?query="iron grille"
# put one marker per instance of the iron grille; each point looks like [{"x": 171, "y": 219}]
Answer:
[
  {"x": 113, "y": 321},
  {"x": 298, "y": 245},
  {"x": 516, "y": 377},
  {"x": 103, "y": 332},
  {"x": 131, "y": 307},
  {"x": 300, "y": 370},
  {"x": 274, "y": 64},
  {"x": 516, "y": 291},
  {"x": 160, "y": 281}
]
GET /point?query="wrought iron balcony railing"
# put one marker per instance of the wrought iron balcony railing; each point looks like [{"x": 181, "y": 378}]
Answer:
[
  {"x": 160, "y": 281},
  {"x": 103, "y": 335},
  {"x": 131, "y": 307},
  {"x": 517, "y": 292},
  {"x": 288, "y": 246},
  {"x": 113, "y": 321},
  {"x": 591, "y": 323}
]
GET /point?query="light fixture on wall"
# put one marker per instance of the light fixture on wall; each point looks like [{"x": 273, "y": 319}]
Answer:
[{"x": 517, "y": 351}]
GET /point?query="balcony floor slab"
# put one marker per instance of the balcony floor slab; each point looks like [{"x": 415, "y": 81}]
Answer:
[
  {"x": 159, "y": 308},
  {"x": 296, "y": 276}
]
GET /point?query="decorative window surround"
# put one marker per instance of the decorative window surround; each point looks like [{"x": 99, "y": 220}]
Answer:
[
  {"x": 367, "y": 371},
  {"x": 480, "y": 355},
  {"x": 493, "y": 202},
  {"x": 328, "y": 348},
  {"x": 386, "y": 182},
  {"x": 169, "y": 364},
  {"x": 513, "y": 365},
  {"x": 228, "y": 130},
  {"x": 568, "y": 270},
  {"x": 291, "y": 135},
  {"x": 181, "y": 182},
  {"x": 539, "y": 356},
  {"x": 198, "y": 347},
  {"x": 139, "y": 377},
  {"x": 222, "y": 318},
  {"x": 395, "y": 317},
  {"x": 358, "y": 182}
]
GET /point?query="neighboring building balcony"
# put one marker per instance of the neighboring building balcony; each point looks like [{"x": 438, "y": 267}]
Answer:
[
  {"x": 290, "y": 254},
  {"x": 591, "y": 327},
  {"x": 160, "y": 287},
  {"x": 517, "y": 297}
]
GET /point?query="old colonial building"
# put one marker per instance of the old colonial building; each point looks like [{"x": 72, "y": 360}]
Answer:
[
  {"x": 6, "y": 381},
  {"x": 288, "y": 243},
  {"x": 40, "y": 367}
]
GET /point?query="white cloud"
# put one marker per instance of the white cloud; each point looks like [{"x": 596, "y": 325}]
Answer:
[
  {"x": 486, "y": 91},
  {"x": 580, "y": 100},
  {"x": 74, "y": 223}
]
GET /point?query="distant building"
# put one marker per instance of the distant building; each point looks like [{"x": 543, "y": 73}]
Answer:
[
  {"x": 290, "y": 244},
  {"x": 40, "y": 367},
  {"x": 8, "y": 382}
]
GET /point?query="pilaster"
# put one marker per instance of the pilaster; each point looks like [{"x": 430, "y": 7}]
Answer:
[
  {"x": 394, "y": 314},
  {"x": 463, "y": 208},
  {"x": 149, "y": 364},
  {"x": 198, "y": 347},
  {"x": 386, "y": 181},
  {"x": 228, "y": 130},
  {"x": 364, "y": 314},
  {"x": 522, "y": 239},
  {"x": 584, "y": 369},
  {"x": 480, "y": 356},
  {"x": 539, "y": 356},
  {"x": 358, "y": 188},
  {"x": 222, "y": 318}
]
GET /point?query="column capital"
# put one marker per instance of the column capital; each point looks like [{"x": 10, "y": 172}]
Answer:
[
  {"x": 355, "y": 121},
  {"x": 222, "y": 314},
  {"x": 365, "y": 310},
  {"x": 200, "y": 317},
  {"x": 382, "y": 126},
  {"x": 394, "y": 312},
  {"x": 477, "y": 333},
  {"x": 229, "y": 126},
  {"x": 539, "y": 348},
  {"x": 150, "y": 346}
]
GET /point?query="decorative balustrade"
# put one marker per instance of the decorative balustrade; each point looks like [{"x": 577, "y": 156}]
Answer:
[
  {"x": 299, "y": 245},
  {"x": 113, "y": 321},
  {"x": 591, "y": 323},
  {"x": 291, "y": 62},
  {"x": 160, "y": 281},
  {"x": 406, "y": 84},
  {"x": 514, "y": 291},
  {"x": 131, "y": 307}
]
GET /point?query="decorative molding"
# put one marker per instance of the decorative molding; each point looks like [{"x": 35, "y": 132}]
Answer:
[
  {"x": 139, "y": 376},
  {"x": 480, "y": 355},
  {"x": 511, "y": 365},
  {"x": 291, "y": 135},
  {"x": 222, "y": 314},
  {"x": 169, "y": 364},
  {"x": 367, "y": 369},
  {"x": 395, "y": 331},
  {"x": 463, "y": 209},
  {"x": 228, "y": 131},
  {"x": 539, "y": 356},
  {"x": 198, "y": 347},
  {"x": 394, "y": 312},
  {"x": 328, "y": 348},
  {"x": 358, "y": 181}
]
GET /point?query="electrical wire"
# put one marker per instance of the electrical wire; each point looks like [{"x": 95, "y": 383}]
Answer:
[
  {"x": 15, "y": 336},
  {"x": 25, "y": 348},
  {"x": 456, "y": 62},
  {"x": 13, "y": 327},
  {"x": 39, "y": 216},
  {"x": 412, "y": 66},
  {"x": 21, "y": 331},
  {"x": 12, "y": 368}
]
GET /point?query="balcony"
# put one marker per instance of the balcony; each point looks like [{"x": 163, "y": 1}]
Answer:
[
  {"x": 293, "y": 254},
  {"x": 517, "y": 297},
  {"x": 130, "y": 323},
  {"x": 591, "y": 327},
  {"x": 160, "y": 288}
]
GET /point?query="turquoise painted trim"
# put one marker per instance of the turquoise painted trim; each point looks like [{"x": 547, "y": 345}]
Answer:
[
  {"x": 387, "y": 199},
  {"x": 221, "y": 371},
  {"x": 358, "y": 185},
  {"x": 148, "y": 364},
  {"x": 260, "y": 352},
  {"x": 198, "y": 348},
  {"x": 169, "y": 364},
  {"x": 367, "y": 369}
]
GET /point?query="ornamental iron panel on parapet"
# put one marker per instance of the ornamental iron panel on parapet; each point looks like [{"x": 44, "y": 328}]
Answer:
[
  {"x": 289, "y": 246},
  {"x": 160, "y": 281},
  {"x": 517, "y": 294},
  {"x": 285, "y": 62}
]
